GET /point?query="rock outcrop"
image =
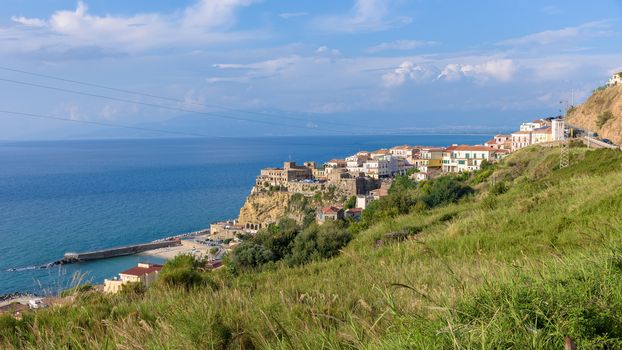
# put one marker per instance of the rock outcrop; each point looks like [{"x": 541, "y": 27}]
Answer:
[
  {"x": 262, "y": 208},
  {"x": 601, "y": 113}
]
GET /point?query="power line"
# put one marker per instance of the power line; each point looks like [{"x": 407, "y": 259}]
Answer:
[
  {"x": 123, "y": 126},
  {"x": 170, "y": 99},
  {"x": 51, "y": 117},
  {"x": 177, "y": 109}
]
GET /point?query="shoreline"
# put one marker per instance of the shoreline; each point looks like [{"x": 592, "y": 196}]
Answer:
[{"x": 187, "y": 247}]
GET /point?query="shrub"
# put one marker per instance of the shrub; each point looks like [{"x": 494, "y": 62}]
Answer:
[
  {"x": 181, "y": 271},
  {"x": 603, "y": 119},
  {"x": 499, "y": 188},
  {"x": 278, "y": 238},
  {"x": 133, "y": 288},
  {"x": 250, "y": 255},
  {"x": 444, "y": 190},
  {"x": 402, "y": 183},
  {"x": 319, "y": 242}
]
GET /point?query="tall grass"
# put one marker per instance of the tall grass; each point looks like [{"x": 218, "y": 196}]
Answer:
[{"x": 519, "y": 268}]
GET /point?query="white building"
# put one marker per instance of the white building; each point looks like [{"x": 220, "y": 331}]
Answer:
[
  {"x": 536, "y": 124},
  {"x": 377, "y": 168},
  {"x": 457, "y": 159},
  {"x": 558, "y": 130},
  {"x": 615, "y": 79},
  {"x": 362, "y": 200},
  {"x": 355, "y": 163},
  {"x": 520, "y": 139}
]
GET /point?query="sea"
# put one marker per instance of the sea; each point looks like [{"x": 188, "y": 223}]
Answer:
[{"x": 83, "y": 195}]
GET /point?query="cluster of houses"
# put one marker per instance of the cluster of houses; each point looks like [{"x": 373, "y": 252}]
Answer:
[
  {"x": 423, "y": 163},
  {"x": 368, "y": 174}
]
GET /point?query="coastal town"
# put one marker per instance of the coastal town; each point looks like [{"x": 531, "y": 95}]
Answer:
[{"x": 360, "y": 178}]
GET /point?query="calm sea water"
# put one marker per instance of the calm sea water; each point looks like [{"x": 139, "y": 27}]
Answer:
[{"x": 62, "y": 196}]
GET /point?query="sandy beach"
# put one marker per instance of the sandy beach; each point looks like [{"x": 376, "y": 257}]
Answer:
[{"x": 186, "y": 247}]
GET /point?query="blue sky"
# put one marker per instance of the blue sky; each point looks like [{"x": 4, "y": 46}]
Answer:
[{"x": 302, "y": 67}]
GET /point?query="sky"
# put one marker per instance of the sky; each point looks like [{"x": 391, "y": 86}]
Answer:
[{"x": 267, "y": 67}]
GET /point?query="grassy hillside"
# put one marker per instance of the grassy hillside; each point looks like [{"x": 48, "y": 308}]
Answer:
[
  {"x": 521, "y": 266},
  {"x": 601, "y": 113}
]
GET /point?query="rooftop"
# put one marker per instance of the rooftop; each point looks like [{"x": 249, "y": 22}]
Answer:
[
  {"x": 468, "y": 148},
  {"x": 330, "y": 210},
  {"x": 141, "y": 271}
]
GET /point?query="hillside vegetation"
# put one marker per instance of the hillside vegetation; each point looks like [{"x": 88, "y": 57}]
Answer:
[
  {"x": 601, "y": 113},
  {"x": 533, "y": 254}
]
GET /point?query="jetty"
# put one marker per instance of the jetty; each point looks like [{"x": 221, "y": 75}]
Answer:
[{"x": 118, "y": 251}]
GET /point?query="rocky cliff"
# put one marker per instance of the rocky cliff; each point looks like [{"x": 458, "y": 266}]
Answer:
[
  {"x": 601, "y": 113},
  {"x": 264, "y": 207}
]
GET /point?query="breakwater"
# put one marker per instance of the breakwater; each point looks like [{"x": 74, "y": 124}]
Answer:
[{"x": 118, "y": 251}]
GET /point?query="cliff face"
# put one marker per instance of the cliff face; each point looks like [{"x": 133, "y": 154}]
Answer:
[
  {"x": 601, "y": 113},
  {"x": 264, "y": 207}
]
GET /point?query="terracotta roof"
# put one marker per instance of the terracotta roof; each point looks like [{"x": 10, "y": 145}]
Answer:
[
  {"x": 432, "y": 149},
  {"x": 521, "y": 132},
  {"x": 141, "y": 271},
  {"x": 330, "y": 210},
  {"x": 355, "y": 210},
  {"x": 468, "y": 148},
  {"x": 381, "y": 151},
  {"x": 403, "y": 147},
  {"x": 338, "y": 161},
  {"x": 491, "y": 141},
  {"x": 546, "y": 129}
]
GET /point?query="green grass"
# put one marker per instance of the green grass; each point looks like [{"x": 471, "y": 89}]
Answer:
[{"x": 519, "y": 268}]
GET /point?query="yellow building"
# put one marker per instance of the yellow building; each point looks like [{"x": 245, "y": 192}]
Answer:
[
  {"x": 431, "y": 157},
  {"x": 144, "y": 274},
  {"x": 541, "y": 135}
]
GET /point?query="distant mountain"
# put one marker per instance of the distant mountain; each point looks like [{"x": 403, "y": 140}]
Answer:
[{"x": 601, "y": 113}]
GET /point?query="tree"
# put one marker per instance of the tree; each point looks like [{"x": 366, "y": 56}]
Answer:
[
  {"x": 279, "y": 238},
  {"x": 351, "y": 203},
  {"x": 251, "y": 255},
  {"x": 319, "y": 242}
]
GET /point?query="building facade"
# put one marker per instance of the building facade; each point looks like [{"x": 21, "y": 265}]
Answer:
[
  {"x": 143, "y": 273},
  {"x": 330, "y": 214},
  {"x": 520, "y": 139},
  {"x": 615, "y": 79},
  {"x": 457, "y": 159}
]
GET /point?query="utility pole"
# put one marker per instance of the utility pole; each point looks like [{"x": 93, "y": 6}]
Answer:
[{"x": 560, "y": 135}]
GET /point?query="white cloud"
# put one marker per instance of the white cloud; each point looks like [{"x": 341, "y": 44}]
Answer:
[
  {"x": 29, "y": 22},
  {"x": 561, "y": 36},
  {"x": 365, "y": 16},
  {"x": 288, "y": 15},
  {"x": 204, "y": 22},
  {"x": 109, "y": 111},
  {"x": 273, "y": 65},
  {"x": 402, "y": 45},
  {"x": 324, "y": 50},
  {"x": 498, "y": 69},
  {"x": 551, "y": 10},
  {"x": 408, "y": 70},
  {"x": 73, "y": 112}
]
